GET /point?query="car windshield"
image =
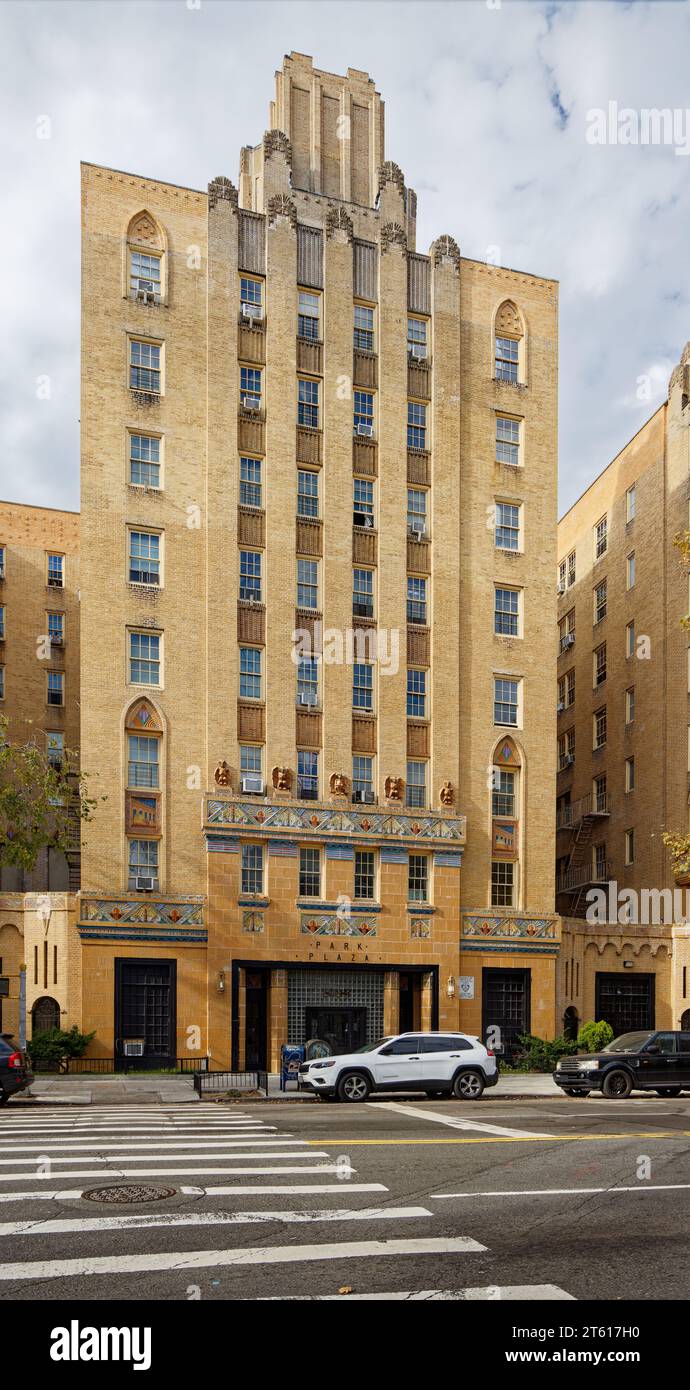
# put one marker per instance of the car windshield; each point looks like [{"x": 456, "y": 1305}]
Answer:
[
  {"x": 372, "y": 1046},
  {"x": 629, "y": 1042}
]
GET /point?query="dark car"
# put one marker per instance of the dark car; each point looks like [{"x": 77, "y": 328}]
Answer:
[
  {"x": 15, "y": 1069},
  {"x": 644, "y": 1061}
]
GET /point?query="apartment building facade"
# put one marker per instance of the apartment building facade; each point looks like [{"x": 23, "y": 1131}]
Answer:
[
  {"x": 318, "y": 502},
  {"x": 623, "y": 687},
  {"x": 39, "y": 698}
]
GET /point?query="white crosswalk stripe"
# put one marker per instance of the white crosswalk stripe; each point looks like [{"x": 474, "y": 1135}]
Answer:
[{"x": 222, "y": 1166}]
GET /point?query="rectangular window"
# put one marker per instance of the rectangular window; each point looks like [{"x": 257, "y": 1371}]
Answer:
[
  {"x": 307, "y": 776},
  {"x": 417, "y": 338},
  {"x": 418, "y": 878},
  {"x": 250, "y": 483},
  {"x": 506, "y": 612},
  {"x": 251, "y": 759},
  {"x": 364, "y": 328},
  {"x": 364, "y": 874},
  {"x": 630, "y": 705},
  {"x": 630, "y": 504},
  {"x": 566, "y": 749},
  {"x": 310, "y": 873},
  {"x": 251, "y": 298},
  {"x": 571, "y": 569},
  {"x": 600, "y": 598},
  {"x": 308, "y": 584},
  {"x": 599, "y": 793},
  {"x": 307, "y": 493},
  {"x": 144, "y": 274},
  {"x": 416, "y": 694},
  {"x": 308, "y": 404},
  {"x": 506, "y": 693},
  {"x": 144, "y": 558},
  {"x": 507, "y": 440},
  {"x": 144, "y": 658},
  {"x": 250, "y": 673},
  {"x": 630, "y": 638},
  {"x": 630, "y": 774},
  {"x": 142, "y": 764},
  {"x": 253, "y": 869},
  {"x": 630, "y": 570},
  {"x": 144, "y": 460},
  {"x": 600, "y": 727},
  {"x": 416, "y": 600},
  {"x": 569, "y": 688},
  {"x": 506, "y": 360},
  {"x": 362, "y": 686},
  {"x": 143, "y": 864},
  {"x": 363, "y": 503},
  {"x": 363, "y": 419},
  {"x": 503, "y": 793},
  {"x": 2, "y": 623},
  {"x": 2, "y": 562},
  {"x": 363, "y": 593},
  {"x": 415, "y": 790},
  {"x": 55, "y": 743},
  {"x": 56, "y": 688},
  {"x": 144, "y": 366},
  {"x": 250, "y": 575},
  {"x": 250, "y": 388},
  {"x": 308, "y": 315},
  {"x": 507, "y": 532},
  {"x": 601, "y": 538},
  {"x": 561, "y": 577},
  {"x": 362, "y": 778},
  {"x": 308, "y": 681},
  {"x": 630, "y": 846},
  {"x": 416, "y": 510},
  {"x": 502, "y": 883},
  {"x": 416, "y": 425},
  {"x": 56, "y": 571},
  {"x": 566, "y": 631},
  {"x": 600, "y": 665},
  {"x": 2, "y": 682}
]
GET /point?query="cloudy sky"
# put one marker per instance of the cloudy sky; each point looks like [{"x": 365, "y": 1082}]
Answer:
[{"x": 488, "y": 108}]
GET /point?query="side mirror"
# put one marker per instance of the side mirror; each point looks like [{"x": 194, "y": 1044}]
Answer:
[
  {"x": 654, "y": 1050},
  {"x": 385, "y": 1051}
]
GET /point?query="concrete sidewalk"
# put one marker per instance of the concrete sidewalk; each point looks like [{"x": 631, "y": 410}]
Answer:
[{"x": 173, "y": 1090}]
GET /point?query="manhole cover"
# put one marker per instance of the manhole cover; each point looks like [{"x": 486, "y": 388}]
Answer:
[{"x": 130, "y": 1192}]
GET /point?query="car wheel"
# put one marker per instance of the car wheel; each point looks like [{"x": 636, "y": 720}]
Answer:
[
  {"x": 468, "y": 1085},
  {"x": 575, "y": 1094},
  {"x": 354, "y": 1087},
  {"x": 617, "y": 1085},
  {"x": 668, "y": 1090}
]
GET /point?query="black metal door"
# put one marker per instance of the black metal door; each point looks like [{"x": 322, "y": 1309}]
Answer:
[
  {"x": 406, "y": 996},
  {"x": 344, "y": 1029},
  {"x": 255, "y": 1031},
  {"x": 624, "y": 1001},
  {"x": 505, "y": 1007},
  {"x": 145, "y": 1008}
]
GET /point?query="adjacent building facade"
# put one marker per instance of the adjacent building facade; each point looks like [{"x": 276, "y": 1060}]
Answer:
[
  {"x": 623, "y": 731},
  {"x": 318, "y": 546}
]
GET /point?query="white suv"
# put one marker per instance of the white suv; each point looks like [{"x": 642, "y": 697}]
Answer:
[{"x": 439, "y": 1063}]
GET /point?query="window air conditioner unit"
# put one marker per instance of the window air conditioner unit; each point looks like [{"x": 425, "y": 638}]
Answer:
[
  {"x": 365, "y": 797},
  {"x": 417, "y": 528},
  {"x": 252, "y": 784},
  {"x": 568, "y": 640},
  {"x": 366, "y": 430},
  {"x": 418, "y": 351},
  {"x": 252, "y": 312},
  {"x": 141, "y": 295},
  {"x": 560, "y": 707},
  {"x": 145, "y": 884},
  {"x": 133, "y": 1049},
  {"x": 363, "y": 519},
  {"x": 561, "y": 587},
  {"x": 569, "y": 759},
  {"x": 250, "y": 403},
  {"x": 307, "y": 700}
]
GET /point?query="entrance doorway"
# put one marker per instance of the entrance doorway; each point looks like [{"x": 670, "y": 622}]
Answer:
[
  {"x": 256, "y": 1013},
  {"x": 506, "y": 1006},
  {"x": 343, "y": 1029},
  {"x": 145, "y": 1011}
]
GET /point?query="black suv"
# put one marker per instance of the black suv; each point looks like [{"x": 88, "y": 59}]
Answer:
[
  {"x": 649, "y": 1061},
  {"x": 15, "y": 1069}
]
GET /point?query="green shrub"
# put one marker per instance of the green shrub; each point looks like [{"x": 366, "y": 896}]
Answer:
[
  {"x": 541, "y": 1054},
  {"x": 592, "y": 1037},
  {"x": 57, "y": 1043}
]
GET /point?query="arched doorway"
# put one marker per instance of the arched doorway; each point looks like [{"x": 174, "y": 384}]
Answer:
[
  {"x": 570, "y": 1023},
  {"x": 45, "y": 1015},
  {"x": 685, "y": 1022}
]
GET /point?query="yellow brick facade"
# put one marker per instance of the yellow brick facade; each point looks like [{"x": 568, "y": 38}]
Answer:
[
  {"x": 630, "y": 658},
  {"x": 320, "y": 211}
]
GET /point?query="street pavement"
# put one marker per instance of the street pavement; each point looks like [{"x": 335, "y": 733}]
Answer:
[{"x": 395, "y": 1199}]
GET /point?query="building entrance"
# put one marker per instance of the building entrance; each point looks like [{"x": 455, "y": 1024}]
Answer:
[{"x": 343, "y": 1029}]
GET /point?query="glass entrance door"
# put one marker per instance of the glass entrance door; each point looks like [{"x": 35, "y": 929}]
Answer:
[
  {"x": 145, "y": 1013},
  {"x": 343, "y": 1029}
]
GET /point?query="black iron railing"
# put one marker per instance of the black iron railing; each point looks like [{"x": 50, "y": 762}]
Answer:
[{"x": 215, "y": 1082}]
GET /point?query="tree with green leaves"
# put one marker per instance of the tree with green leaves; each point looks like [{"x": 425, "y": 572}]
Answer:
[{"x": 42, "y": 802}]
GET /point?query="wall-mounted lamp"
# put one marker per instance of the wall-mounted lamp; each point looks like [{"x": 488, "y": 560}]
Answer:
[
  {"x": 44, "y": 909},
  {"x": 450, "y": 987},
  {"x": 221, "y": 981}
]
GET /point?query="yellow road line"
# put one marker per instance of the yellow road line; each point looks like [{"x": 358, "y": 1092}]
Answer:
[{"x": 499, "y": 1139}]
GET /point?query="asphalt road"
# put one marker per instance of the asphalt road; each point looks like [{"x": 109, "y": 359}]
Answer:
[{"x": 530, "y": 1200}]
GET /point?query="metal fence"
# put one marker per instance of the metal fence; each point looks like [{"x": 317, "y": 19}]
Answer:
[{"x": 215, "y": 1082}]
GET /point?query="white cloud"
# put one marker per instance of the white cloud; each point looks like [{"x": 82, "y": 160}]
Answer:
[{"x": 486, "y": 112}]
